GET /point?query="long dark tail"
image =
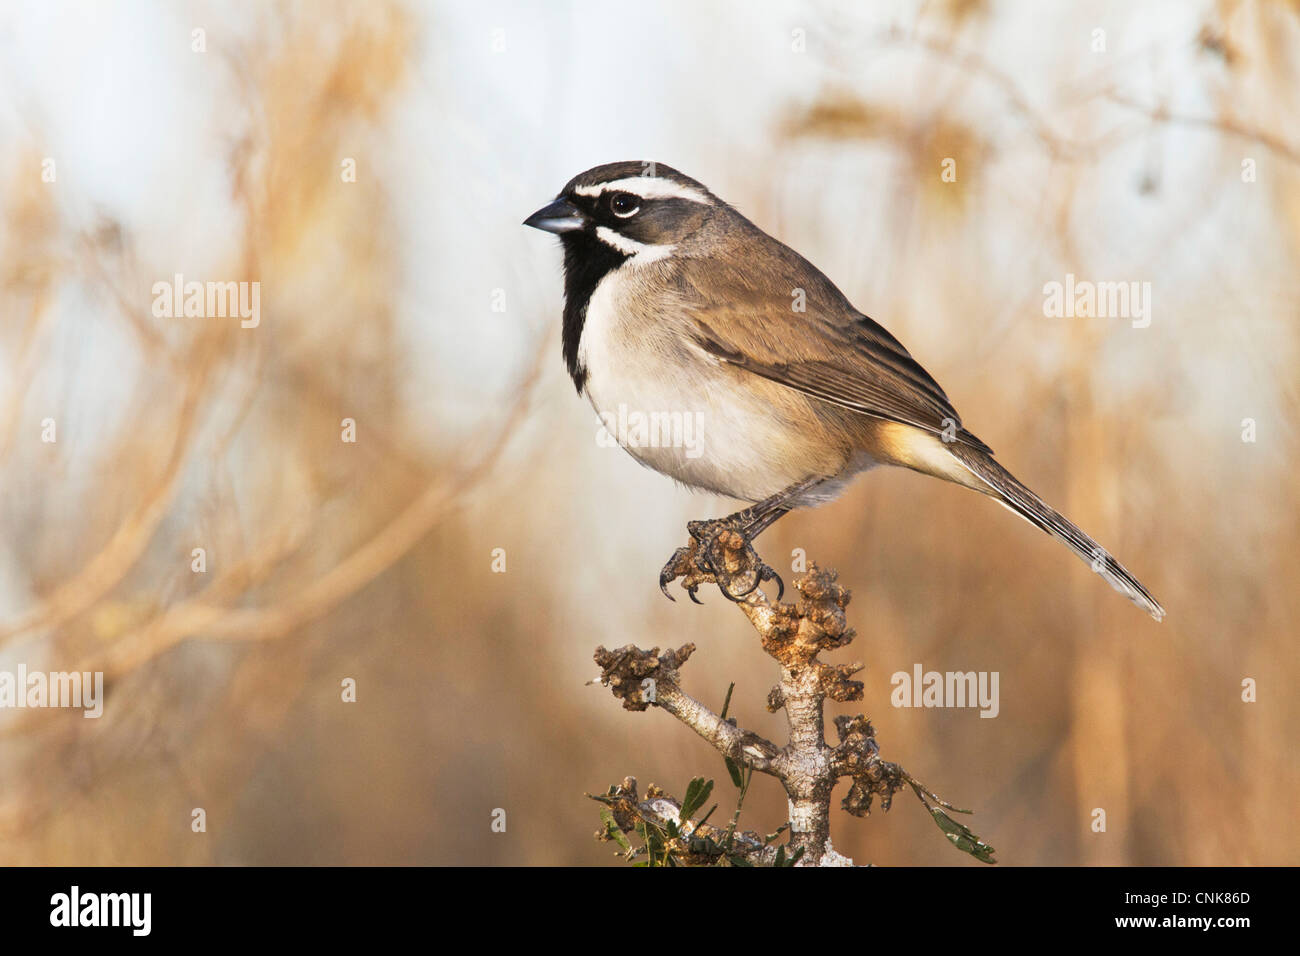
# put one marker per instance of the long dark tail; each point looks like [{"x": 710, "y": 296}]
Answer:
[{"x": 1003, "y": 487}]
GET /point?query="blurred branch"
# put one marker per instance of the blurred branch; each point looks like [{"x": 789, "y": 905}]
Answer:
[
  {"x": 99, "y": 575},
  {"x": 1222, "y": 124},
  {"x": 1063, "y": 148},
  {"x": 974, "y": 64},
  {"x": 347, "y": 577}
]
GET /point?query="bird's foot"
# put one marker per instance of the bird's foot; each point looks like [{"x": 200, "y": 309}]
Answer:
[
  {"x": 682, "y": 565},
  {"x": 722, "y": 553}
]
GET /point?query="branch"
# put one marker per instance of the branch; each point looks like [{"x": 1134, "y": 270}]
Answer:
[
  {"x": 793, "y": 635},
  {"x": 694, "y": 843},
  {"x": 641, "y": 678}
]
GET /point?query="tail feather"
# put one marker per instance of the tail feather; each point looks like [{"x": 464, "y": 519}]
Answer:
[{"x": 1000, "y": 484}]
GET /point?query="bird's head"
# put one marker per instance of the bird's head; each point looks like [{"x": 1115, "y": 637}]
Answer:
[{"x": 627, "y": 209}]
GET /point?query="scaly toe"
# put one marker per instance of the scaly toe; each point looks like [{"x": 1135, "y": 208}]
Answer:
[{"x": 676, "y": 567}]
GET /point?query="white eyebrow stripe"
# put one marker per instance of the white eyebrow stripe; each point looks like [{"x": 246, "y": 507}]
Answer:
[
  {"x": 639, "y": 251},
  {"x": 647, "y": 187}
]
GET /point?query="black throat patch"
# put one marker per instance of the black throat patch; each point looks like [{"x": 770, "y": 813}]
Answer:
[{"x": 587, "y": 260}]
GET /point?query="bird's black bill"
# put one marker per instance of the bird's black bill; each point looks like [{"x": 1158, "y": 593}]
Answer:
[{"x": 559, "y": 216}]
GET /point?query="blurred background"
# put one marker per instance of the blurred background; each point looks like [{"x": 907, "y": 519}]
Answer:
[{"x": 369, "y": 163}]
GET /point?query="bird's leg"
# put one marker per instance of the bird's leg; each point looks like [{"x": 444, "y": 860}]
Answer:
[{"x": 706, "y": 557}]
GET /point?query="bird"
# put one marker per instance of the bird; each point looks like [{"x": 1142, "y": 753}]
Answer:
[{"x": 675, "y": 304}]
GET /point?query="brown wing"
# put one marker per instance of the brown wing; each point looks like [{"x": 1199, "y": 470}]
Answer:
[{"x": 829, "y": 351}]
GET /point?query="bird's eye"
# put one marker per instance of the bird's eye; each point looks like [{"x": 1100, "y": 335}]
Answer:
[{"x": 624, "y": 204}]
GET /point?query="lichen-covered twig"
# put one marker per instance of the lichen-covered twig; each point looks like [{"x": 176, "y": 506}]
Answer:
[
  {"x": 793, "y": 635},
  {"x": 689, "y": 842}
]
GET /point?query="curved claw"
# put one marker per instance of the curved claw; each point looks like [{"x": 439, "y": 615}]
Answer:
[
  {"x": 767, "y": 573},
  {"x": 709, "y": 561},
  {"x": 666, "y": 577},
  {"x": 670, "y": 572}
]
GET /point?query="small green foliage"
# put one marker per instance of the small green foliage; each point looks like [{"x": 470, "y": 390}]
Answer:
[
  {"x": 733, "y": 770},
  {"x": 791, "y": 860},
  {"x": 682, "y": 842},
  {"x": 767, "y": 841},
  {"x": 697, "y": 791},
  {"x": 960, "y": 835},
  {"x": 613, "y": 832}
]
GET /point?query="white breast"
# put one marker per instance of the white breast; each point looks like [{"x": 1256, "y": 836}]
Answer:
[{"x": 674, "y": 407}]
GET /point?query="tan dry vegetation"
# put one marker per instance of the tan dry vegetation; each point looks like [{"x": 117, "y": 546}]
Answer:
[{"x": 371, "y": 560}]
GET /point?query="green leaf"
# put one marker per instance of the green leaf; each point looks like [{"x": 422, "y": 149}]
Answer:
[
  {"x": 792, "y": 859},
  {"x": 733, "y": 769},
  {"x": 614, "y": 832},
  {"x": 654, "y": 844},
  {"x": 772, "y": 836},
  {"x": 727, "y": 703},
  {"x": 960, "y": 835},
  {"x": 697, "y": 791}
]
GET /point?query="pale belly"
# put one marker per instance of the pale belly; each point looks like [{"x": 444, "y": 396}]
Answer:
[{"x": 686, "y": 414}]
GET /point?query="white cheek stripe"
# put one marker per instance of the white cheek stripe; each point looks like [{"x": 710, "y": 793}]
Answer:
[
  {"x": 647, "y": 187},
  {"x": 640, "y": 251}
]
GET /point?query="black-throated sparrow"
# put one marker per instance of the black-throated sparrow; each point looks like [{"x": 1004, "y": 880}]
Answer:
[{"x": 677, "y": 305}]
